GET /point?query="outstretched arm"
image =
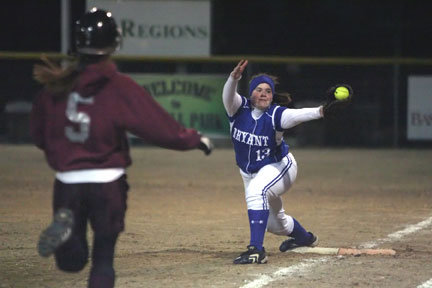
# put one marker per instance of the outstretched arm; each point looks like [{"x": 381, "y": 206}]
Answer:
[
  {"x": 231, "y": 99},
  {"x": 293, "y": 117},
  {"x": 140, "y": 114}
]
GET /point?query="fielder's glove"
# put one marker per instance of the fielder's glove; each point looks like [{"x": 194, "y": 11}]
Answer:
[
  {"x": 206, "y": 145},
  {"x": 333, "y": 105}
]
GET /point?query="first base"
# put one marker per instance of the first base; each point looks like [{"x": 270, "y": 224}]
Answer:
[{"x": 343, "y": 251}]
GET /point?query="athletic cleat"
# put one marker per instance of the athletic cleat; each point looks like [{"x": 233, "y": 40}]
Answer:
[
  {"x": 290, "y": 243},
  {"x": 57, "y": 233},
  {"x": 251, "y": 256}
]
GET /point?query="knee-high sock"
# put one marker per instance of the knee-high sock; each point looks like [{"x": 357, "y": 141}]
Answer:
[
  {"x": 300, "y": 235},
  {"x": 258, "y": 224},
  {"x": 102, "y": 274}
]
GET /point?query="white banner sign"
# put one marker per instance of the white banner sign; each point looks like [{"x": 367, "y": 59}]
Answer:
[
  {"x": 161, "y": 28},
  {"x": 419, "y": 118}
]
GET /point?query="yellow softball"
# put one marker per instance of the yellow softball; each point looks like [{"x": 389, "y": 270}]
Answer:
[{"x": 341, "y": 93}]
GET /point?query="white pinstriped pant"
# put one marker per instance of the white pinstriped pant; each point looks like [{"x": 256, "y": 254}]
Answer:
[{"x": 263, "y": 191}]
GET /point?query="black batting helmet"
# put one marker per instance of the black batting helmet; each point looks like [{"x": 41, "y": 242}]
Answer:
[{"x": 96, "y": 33}]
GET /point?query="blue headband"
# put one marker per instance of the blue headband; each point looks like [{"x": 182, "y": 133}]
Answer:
[{"x": 261, "y": 79}]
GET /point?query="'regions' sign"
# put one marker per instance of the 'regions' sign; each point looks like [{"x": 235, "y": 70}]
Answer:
[
  {"x": 193, "y": 100},
  {"x": 131, "y": 29},
  {"x": 161, "y": 28}
]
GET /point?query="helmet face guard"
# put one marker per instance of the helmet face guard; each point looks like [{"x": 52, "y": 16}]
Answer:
[{"x": 96, "y": 33}]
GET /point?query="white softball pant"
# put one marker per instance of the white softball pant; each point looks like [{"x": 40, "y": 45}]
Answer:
[{"x": 263, "y": 191}]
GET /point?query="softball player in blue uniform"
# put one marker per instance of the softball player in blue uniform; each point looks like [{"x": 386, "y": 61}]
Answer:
[{"x": 267, "y": 167}]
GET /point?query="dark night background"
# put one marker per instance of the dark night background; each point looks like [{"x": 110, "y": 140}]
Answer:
[
  {"x": 327, "y": 28},
  {"x": 257, "y": 27}
]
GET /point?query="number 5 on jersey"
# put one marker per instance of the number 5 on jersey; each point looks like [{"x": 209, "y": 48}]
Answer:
[{"x": 81, "y": 118}]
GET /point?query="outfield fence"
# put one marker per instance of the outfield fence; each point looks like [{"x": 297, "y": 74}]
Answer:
[{"x": 376, "y": 118}]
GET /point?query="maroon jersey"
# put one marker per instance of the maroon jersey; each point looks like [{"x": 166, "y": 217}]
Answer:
[{"x": 86, "y": 129}]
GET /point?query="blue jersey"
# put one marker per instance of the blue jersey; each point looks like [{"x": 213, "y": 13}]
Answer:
[{"x": 257, "y": 142}]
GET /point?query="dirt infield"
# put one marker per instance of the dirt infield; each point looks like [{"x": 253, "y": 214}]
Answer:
[{"x": 187, "y": 220}]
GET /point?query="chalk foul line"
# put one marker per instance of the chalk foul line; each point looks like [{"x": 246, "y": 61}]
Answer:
[
  {"x": 400, "y": 234},
  {"x": 298, "y": 269},
  {"x": 427, "y": 284},
  {"x": 306, "y": 265}
]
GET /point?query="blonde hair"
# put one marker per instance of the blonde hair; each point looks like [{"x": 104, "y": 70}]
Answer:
[
  {"x": 61, "y": 80},
  {"x": 279, "y": 98},
  {"x": 55, "y": 78}
]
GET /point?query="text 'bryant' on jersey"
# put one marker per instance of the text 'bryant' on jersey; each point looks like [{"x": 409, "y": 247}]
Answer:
[{"x": 249, "y": 138}]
